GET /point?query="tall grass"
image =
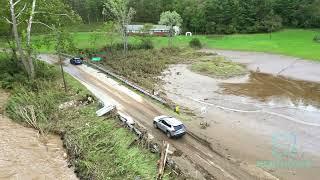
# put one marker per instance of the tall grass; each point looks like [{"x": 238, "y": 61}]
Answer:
[
  {"x": 218, "y": 67},
  {"x": 98, "y": 147},
  {"x": 145, "y": 66},
  {"x": 103, "y": 145}
]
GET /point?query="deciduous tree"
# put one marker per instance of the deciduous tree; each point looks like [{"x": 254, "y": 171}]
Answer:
[
  {"x": 170, "y": 19},
  {"x": 122, "y": 15}
]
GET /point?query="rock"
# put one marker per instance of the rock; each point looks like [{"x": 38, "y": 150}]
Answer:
[
  {"x": 68, "y": 104},
  {"x": 65, "y": 155}
]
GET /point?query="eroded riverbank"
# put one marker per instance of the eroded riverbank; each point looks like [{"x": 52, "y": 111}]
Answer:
[{"x": 23, "y": 155}]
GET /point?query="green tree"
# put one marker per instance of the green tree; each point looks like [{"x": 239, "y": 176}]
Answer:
[
  {"x": 111, "y": 32},
  {"x": 25, "y": 16},
  {"x": 170, "y": 19},
  {"x": 123, "y": 15}
]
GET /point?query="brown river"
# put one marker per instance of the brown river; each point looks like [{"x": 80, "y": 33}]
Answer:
[{"x": 24, "y": 156}]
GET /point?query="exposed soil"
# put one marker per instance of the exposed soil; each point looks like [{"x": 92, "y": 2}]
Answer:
[
  {"x": 287, "y": 66},
  {"x": 24, "y": 156},
  {"x": 198, "y": 159},
  {"x": 244, "y": 113}
]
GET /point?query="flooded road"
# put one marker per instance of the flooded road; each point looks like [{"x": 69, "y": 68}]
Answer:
[
  {"x": 245, "y": 113},
  {"x": 24, "y": 156}
]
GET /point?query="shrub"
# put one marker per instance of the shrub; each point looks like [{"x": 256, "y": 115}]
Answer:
[
  {"x": 13, "y": 73},
  {"x": 195, "y": 43},
  {"x": 146, "y": 43},
  {"x": 316, "y": 38}
]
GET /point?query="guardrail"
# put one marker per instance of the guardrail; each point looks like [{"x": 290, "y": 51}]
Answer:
[
  {"x": 128, "y": 83},
  {"x": 123, "y": 80},
  {"x": 123, "y": 118}
]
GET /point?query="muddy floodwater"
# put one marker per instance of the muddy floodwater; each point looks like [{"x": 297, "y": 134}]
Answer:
[
  {"x": 277, "y": 91},
  {"x": 246, "y": 112},
  {"x": 24, "y": 156}
]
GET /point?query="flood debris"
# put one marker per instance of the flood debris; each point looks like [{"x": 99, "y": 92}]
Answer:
[
  {"x": 69, "y": 104},
  {"x": 105, "y": 110},
  {"x": 177, "y": 153},
  {"x": 163, "y": 159},
  {"x": 88, "y": 99},
  {"x": 204, "y": 124}
]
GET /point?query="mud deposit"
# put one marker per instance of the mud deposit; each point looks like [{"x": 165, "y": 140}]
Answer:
[
  {"x": 24, "y": 156},
  {"x": 245, "y": 113},
  {"x": 277, "y": 91}
]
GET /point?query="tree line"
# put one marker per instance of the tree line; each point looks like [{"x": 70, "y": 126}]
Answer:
[{"x": 216, "y": 16}]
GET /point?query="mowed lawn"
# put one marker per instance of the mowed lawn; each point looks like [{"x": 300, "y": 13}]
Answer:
[{"x": 291, "y": 42}]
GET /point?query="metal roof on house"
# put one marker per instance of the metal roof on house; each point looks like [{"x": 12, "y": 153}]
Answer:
[
  {"x": 134, "y": 27},
  {"x": 139, "y": 27}
]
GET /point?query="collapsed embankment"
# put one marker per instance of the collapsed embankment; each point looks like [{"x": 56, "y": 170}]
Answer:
[{"x": 98, "y": 147}]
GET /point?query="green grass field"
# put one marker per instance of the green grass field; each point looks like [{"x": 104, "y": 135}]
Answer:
[{"x": 291, "y": 42}]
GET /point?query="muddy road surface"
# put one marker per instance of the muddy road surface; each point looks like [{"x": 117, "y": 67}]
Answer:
[
  {"x": 249, "y": 114},
  {"x": 24, "y": 156},
  {"x": 198, "y": 158}
]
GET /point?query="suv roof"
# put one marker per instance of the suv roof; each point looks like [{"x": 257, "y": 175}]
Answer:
[{"x": 172, "y": 121}]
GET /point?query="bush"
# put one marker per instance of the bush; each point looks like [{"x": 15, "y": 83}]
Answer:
[
  {"x": 195, "y": 43},
  {"x": 316, "y": 38},
  {"x": 12, "y": 73},
  {"x": 146, "y": 43}
]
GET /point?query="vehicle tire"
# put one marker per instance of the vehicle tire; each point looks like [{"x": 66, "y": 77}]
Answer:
[
  {"x": 168, "y": 134},
  {"x": 155, "y": 125}
]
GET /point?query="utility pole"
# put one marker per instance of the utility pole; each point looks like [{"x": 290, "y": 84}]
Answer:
[
  {"x": 59, "y": 49},
  {"x": 62, "y": 72}
]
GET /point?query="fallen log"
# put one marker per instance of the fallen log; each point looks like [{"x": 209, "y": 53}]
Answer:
[{"x": 163, "y": 159}]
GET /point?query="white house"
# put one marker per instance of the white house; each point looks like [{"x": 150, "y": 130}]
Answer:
[{"x": 159, "y": 30}]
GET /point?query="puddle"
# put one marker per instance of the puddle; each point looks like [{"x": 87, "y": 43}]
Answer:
[{"x": 277, "y": 91}]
